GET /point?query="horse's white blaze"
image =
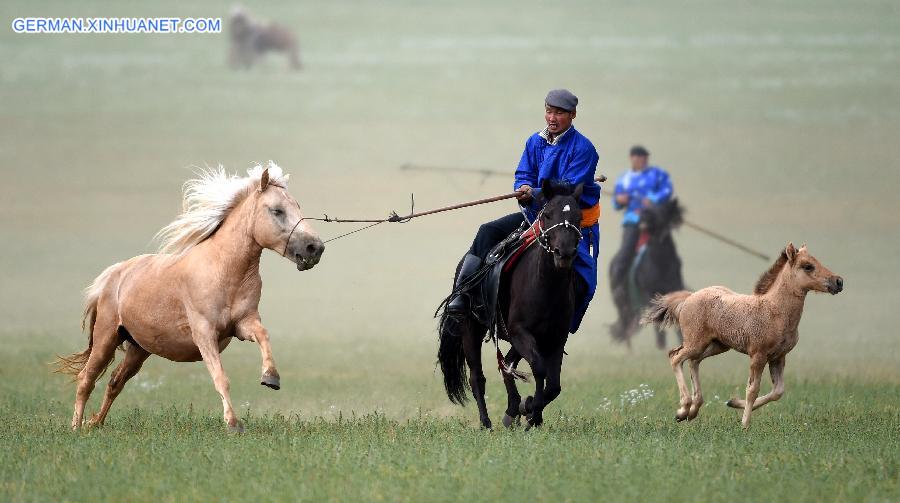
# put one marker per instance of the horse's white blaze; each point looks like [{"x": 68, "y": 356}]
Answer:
[{"x": 566, "y": 208}]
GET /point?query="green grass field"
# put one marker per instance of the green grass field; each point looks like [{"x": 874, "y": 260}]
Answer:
[{"x": 778, "y": 122}]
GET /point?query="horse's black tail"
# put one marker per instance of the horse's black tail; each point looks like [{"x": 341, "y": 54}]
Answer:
[
  {"x": 452, "y": 360},
  {"x": 664, "y": 310}
]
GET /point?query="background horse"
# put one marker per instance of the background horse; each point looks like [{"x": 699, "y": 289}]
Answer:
[
  {"x": 656, "y": 270},
  {"x": 762, "y": 325},
  {"x": 536, "y": 304},
  {"x": 187, "y": 302}
]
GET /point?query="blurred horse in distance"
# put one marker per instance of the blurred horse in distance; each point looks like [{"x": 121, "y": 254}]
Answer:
[
  {"x": 250, "y": 39},
  {"x": 656, "y": 270}
]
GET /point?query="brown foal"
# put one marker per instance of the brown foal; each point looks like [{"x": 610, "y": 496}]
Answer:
[{"x": 763, "y": 326}]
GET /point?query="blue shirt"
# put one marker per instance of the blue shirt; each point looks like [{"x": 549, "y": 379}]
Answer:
[
  {"x": 651, "y": 183},
  {"x": 572, "y": 158}
]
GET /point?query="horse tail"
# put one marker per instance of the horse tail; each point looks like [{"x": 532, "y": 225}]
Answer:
[
  {"x": 74, "y": 363},
  {"x": 665, "y": 310},
  {"x": 452, "y": 359}
]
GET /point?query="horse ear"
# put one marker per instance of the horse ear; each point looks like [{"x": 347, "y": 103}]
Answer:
[
  {"x": 791, "y": 252},
  {"x": 578, "y": 191},
  {"x": 264, "y": 180},
  {"x": 547, "y": 190}
]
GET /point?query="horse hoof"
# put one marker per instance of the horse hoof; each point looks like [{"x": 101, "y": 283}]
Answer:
[
  {"x": 509, "y": 421},
  {"x": 238, "y": 427},
  {"x": 733, "y": 404},
  {"x": 271, "y": 381},
  {"x": 522, "y": 404}
]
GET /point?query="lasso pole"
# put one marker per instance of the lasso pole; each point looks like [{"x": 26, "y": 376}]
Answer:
[{"x": 692, "y": 225}]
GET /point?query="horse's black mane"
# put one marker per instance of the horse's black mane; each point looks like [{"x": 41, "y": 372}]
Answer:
[
  {"x": 562, "y": 187},
  {"x": 669, "y": 214}
]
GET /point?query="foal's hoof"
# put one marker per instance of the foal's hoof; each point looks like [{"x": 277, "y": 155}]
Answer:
[
  {"x": 237, "y": 427},
  {"x": 271, "y": 381},
  {"x": 681, "y": 415},
  {"x": 733, "y": 404},
  {"x": 510, "y": 421}
]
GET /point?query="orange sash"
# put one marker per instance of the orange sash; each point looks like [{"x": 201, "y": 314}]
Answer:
[{"x": 590, "y": 216}]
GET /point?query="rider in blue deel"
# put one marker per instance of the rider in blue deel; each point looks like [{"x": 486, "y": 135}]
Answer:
[
  {"x": 640, "y": 187},
  {"x": 558, "y": 152}
]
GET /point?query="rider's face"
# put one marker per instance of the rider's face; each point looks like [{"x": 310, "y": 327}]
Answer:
[
  {"x": 639, "y": 162},
  {"x": 558, "y": 120}
]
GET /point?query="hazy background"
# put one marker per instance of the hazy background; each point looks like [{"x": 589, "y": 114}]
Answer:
[{"x": 778, "y": 121}]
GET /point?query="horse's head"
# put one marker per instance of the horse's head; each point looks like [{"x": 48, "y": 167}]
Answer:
[
  {"x": 661, "y": 218},
  {"x": 279, "y": 225},
  {"x": 559, "y": 222},
  {"x": 807, "y": 273}
]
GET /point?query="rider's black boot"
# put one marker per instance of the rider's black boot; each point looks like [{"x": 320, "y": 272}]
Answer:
[{"x": 460, "y": 303}]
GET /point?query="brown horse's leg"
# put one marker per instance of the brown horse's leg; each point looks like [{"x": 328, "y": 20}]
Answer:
[
  {"x": 134, "y": 358},
  {"x": 513, "y": 398},
  {"x": 776, "y": 369},
  {"x": 294, "y": 57},
  {"x": 757, "y": 364},
  {"x": 472, "y": 350},
  {"x": 105, "y": 338},
  {"x": 205, "y": 338},
  {"x": 697, "y": 398},
  {"x": 713, "y": 349},
  {"x": 676, "y": 358},
  {"x": 253, "y": 329}
]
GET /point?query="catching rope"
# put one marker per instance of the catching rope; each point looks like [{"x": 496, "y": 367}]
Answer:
[{"x": 395, "y": 218}]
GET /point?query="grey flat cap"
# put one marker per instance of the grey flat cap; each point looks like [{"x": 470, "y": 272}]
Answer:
[{"x": 562, "y": 98}]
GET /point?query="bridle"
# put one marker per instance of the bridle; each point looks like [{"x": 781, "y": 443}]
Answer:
[{"x": 542, "y": 236}]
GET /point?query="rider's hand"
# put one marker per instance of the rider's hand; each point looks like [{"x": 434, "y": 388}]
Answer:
[
  {"x": 622, "y": 199},
  {"x": 647, "y": 202},
  {"x": 524, "y": 193}
]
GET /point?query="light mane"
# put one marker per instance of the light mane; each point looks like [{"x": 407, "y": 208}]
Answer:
[
  {"x": 208, "y": 199},
  {"x": 768, "y": 278}
]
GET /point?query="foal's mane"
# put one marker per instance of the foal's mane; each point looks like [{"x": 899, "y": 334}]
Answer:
[
  {"x": 208, "y": 200},
  {"x": 768, "y": 278}
]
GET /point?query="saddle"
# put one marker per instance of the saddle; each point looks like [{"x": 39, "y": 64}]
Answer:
[{"x": 483, "y": 287}]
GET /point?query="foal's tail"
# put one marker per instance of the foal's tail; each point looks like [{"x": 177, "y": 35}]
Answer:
[
  {"x": 452, "y": 359},
  {"x": 74, "y": 363},
  {"x": 665, "y": 310}
]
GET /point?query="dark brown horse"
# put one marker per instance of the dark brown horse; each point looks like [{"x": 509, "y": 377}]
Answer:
[
  {"x": 656, "y": 270},
  {"x": 535, "y": 309}
]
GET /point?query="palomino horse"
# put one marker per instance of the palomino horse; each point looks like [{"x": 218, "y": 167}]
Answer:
[
  {"x": 536, "y": 305},
  {"x": 762, "y": 325},
  {"x": 656, "y": 271},
  {"x": 203, "y": 288}
]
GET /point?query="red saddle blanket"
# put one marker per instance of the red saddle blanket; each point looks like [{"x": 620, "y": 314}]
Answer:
[
  {"x": 527, "y": 239},
  {"x": 643, "y": 238}
]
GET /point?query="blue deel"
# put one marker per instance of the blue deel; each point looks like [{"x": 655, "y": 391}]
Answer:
[
  {"x": 651, "y": 183},
  {"x": 574, "y": 160}
]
